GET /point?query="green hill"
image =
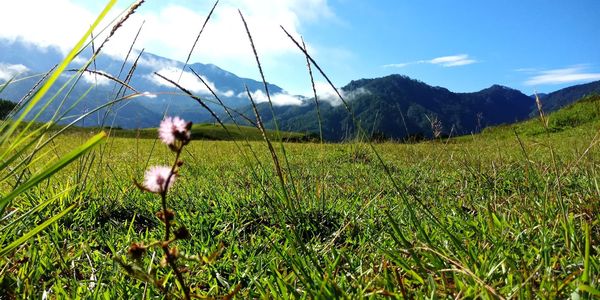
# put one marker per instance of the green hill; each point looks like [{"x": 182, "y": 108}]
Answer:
[
  {"x": 216, "y": 133},
  {"x": 204, "y": 131},
  {"x": 583, "y": 115}
]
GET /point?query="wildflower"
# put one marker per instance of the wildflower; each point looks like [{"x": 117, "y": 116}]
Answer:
[
  {"x": 155, "y": 179},
  {"x": 173, "y": 129}
]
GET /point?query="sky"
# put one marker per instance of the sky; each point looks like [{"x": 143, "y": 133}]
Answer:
[{"x": 465, "y": 46}]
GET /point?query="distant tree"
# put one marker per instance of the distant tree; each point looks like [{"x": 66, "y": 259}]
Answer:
[{"x": 6, "y": 107}]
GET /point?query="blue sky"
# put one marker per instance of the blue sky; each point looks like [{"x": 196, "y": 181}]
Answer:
[
  {"x": 528, "y": 45},
  {"x": 509, "y": 42},
  {"x": 465, "y": 46}
]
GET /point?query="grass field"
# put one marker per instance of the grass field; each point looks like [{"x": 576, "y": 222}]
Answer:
[
  {"x": 510, "y": 213},
  {"x": 203, "y": 131}
]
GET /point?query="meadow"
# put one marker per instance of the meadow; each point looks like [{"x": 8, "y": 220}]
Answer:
[
  {"x": 509, "y": 213},
  {"x": 513, "y": 212}
]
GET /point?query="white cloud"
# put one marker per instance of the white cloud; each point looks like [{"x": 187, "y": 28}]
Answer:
[
  {"x": 79, "y": 60},
  {"x": 444, "y": 61},
  {"x": 153, "y": 62},
  {"x": 45, "y": 23},
  {"x": 452, "y": 60},
  {"x": 149, "y": 95},
  {"x": 174, "y": 28},
  {"x": 8, "y": 71},
  {"x": 560, "y": 76},
  {"x": 526, "y": 70},
  {"x": 169, "y": 29},
  {"x": 96, "y": 79},
  {"x": 355, "y": 93},
  {"x": 278, "y": 99},
  {"x": 401, "y": 65},
  {"x": 188, "y": 80},
  {"x": 326, "y": 93},
  {"x": 229, "y": 93}
]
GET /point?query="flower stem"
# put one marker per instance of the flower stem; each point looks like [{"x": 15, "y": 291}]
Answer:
[{"x": 170, "y": 258}]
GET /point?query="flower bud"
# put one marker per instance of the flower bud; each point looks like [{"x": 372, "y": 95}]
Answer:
[{"x": 136, "y": 250}]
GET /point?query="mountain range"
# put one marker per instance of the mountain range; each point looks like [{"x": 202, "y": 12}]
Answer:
[
  {"x": 398, "y": 107},
  {"x": 394, "y": 106},
  {"x": 160, "y": 97}
]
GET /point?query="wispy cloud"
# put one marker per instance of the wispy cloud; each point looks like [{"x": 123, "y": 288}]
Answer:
[
  {"x": 187, "y": 80},
  {"x": 149, "y": 95},
  {"x": 453, "y": 60},
  {"x": 444, "y": 61},
  {"x": 402, "y": 65},
  {"x": 326, "y": 93},
  {"x": 8, "y": 71},
  {"x": 279, "y": 99},
  {"x": 565, "y": 75},
  {"x": 526, "y": 70},
  {"x": 96, "y": 79}
]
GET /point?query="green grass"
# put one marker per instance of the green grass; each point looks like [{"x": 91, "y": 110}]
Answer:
[
  {"x": 205, "y": 131},
  {"x": 582, "y": 115},
  {"x": 480, "y": 216},
  {"x": 217, "y": 133}
]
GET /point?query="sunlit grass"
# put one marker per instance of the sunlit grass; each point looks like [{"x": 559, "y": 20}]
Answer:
[
  {"x": 511, "y": 213},
  {"x": 344, "y": 239}
]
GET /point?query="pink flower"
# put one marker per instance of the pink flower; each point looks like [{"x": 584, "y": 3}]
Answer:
[
  {"x": 155, "y": 179},
  {"x": 174, "y": 128}
]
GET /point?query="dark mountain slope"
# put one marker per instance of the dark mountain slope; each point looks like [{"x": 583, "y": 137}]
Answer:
[
  {"x": 561, "y": 98},
  {"x": 397, "y": 107}
]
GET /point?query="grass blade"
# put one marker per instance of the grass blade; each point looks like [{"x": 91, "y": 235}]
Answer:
[
  {"x": 55, "y": 167},
  {"x": 34, "y": 231}
]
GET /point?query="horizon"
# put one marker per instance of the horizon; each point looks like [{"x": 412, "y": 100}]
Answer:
[{"x": 463, "y": 50}]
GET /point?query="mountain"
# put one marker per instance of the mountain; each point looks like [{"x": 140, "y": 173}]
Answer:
[
  {"x": 561, "y": 98},
  {"x": 399, "y": 107},
  {"x": 402, "y": 108},
  {"x": 540, "y": 95},
  {"x": 30, "y": 61},
  {"x": 394, "y": 106}
]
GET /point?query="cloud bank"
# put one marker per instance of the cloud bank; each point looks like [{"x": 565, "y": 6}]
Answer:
[
  {"x": 279, "y": 99},
  {"x": 169, "y": 29},
  {"x": 327, "y": 94},
  {"x": 324, "y": 94}
]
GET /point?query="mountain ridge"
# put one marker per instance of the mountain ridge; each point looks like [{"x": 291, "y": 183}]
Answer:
[
  {"x": 399, "y": 107},
  {"x": 145, "y": 111},
  {"x": 394, "y": 106}
]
